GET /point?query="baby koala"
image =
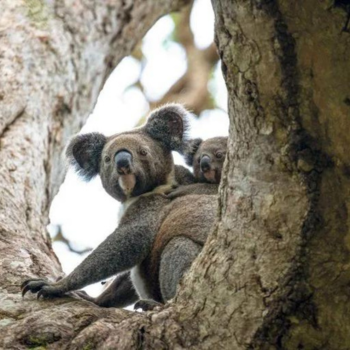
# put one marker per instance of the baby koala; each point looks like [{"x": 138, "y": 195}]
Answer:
[{"x": 207, "y": 159}]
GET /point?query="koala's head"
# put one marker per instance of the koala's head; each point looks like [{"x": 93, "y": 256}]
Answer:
[
  {"x": 134, "y": 162},
  {"x": 206, "y": 157}
]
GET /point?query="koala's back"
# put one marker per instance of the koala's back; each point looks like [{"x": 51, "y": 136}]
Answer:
[{"x": 188, "y": 217}]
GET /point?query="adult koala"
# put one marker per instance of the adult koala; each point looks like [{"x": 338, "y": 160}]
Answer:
[
  {"x": 207, "y": 159},
  {"x": 157, "y": 239}
]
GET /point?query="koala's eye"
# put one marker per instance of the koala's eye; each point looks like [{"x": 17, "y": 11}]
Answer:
[
  {"x": 107, "y": 159},
  {"x": 143, "y": 152},
  {"x": 219, "y": 155},
  {"x": 198, "y": 160}
]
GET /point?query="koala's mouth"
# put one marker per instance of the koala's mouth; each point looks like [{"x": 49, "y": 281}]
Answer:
[
  {"x": 212, "y": 175},
  {"x": 127, "y": 183}
]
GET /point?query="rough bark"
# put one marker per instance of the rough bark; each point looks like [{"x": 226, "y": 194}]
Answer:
[
  {"x": 278, "y": 259},
  {"x": 274, "y": 273}
]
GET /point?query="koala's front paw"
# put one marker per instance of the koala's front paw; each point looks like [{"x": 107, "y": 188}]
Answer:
[
  {"x": 146, "y": 304},
  {"x": 42, "y": 287}
]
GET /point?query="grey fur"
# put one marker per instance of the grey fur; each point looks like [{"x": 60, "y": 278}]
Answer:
[
  {"x": 179, "y": 252},
  {"x": 84, "y": 153},
  {"x": 189, "y": 150},
  {"x": 168, "y": 124},
  {"x": 183, "y": 176}
]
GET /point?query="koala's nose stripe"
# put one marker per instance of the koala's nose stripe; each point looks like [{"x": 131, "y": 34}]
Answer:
[
  {"x": 123, "y": 161},
  {"x": 205, "y": 163}
]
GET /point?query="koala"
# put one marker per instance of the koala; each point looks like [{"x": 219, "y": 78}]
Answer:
[
  {"x": 121, "y": 288},
  {"x": 207, "y": 159},
  {"x": 157, "y": 238}
]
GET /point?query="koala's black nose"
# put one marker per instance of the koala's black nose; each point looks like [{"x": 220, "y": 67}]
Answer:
[
  {"x": 205, "y": 164},
  {"x": 123, "y": 161}
]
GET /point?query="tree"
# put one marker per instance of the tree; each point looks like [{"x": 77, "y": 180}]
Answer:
[{"x": 274, "y": 273}]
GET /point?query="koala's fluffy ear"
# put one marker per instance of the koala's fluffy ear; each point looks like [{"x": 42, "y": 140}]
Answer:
[
  {"x": 189, "y": 149},
  {"x": 84, "y": 153},
  {"x": 168, "y": 124}
]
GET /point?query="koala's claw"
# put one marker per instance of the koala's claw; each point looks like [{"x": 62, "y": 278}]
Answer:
[
  {"x": 40, "y": 286},
  {"x": 146, "y": 304},
  {"x": 33, "y": 285}
]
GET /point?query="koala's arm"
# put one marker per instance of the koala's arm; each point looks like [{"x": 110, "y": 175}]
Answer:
[
  {"x": 183, "y": 176},
  {"x": 126, "y": 247},
  {"x": 198, "y": 188}
]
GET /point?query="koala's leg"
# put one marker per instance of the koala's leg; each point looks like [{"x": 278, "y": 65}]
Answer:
[
  {"x": 120, "y": 293},
  {"x": 176, "y": 259}
]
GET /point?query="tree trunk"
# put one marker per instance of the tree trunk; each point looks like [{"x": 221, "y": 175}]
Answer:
[
  {"x": 277, "y": 264},
  {"x": 275, "y": 272}
]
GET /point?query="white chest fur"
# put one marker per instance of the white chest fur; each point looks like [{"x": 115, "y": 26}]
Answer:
[{"x": 139, "y": 283}]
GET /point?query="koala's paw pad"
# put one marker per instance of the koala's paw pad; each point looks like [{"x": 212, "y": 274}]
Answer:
[
  {"x": 42, "y": 287},
  {"x": 146, "y": 305}
]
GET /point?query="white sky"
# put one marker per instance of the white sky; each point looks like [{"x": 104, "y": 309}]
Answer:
[{"x": 85, "y": 212}]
